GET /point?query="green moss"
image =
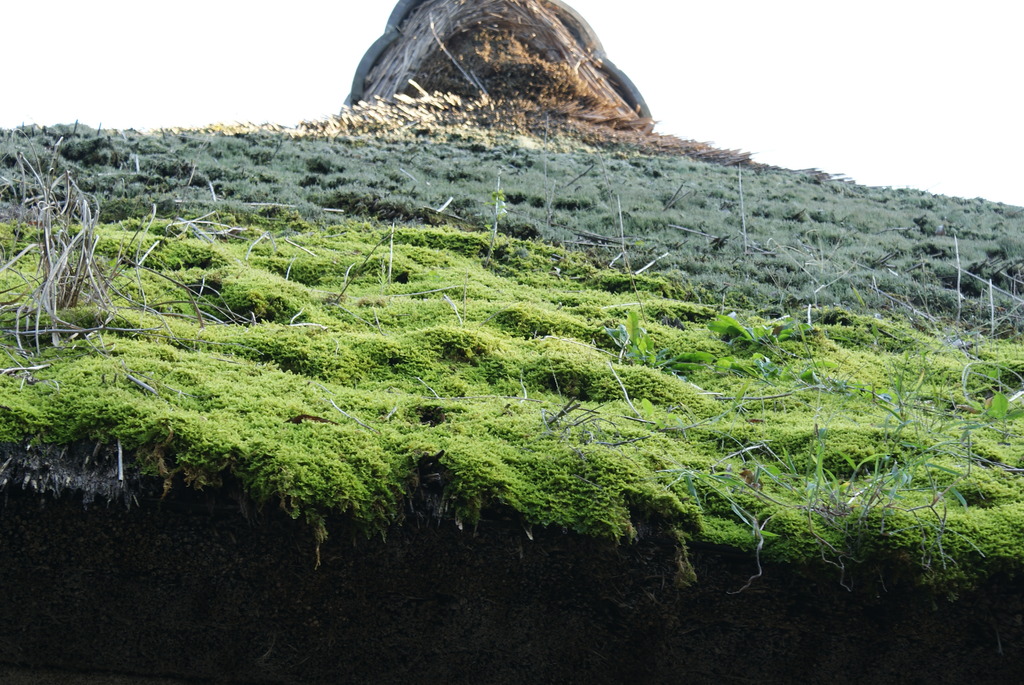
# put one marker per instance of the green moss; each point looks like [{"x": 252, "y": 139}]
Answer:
[
  {"x": 795, "y": 537},
  {"x": 995, "y": 533},
  {"x": 728, "y": 532},
  {"x": 328, "y": 359},
  {"x": 529, "y": 321},
  {"x": 460, "y": 345},
  {"x": 626, "y": 283},
  {"x": 658, "y": 387},
  {"x": 566, "y": 371},
  {"x": 306, "y": 351},
  {"x": 175, "y": 254},
  {"x": 259, "y": 296},
  {"x": 18, "y": 413},
  {"x": 456, "y": 242},
  {"x": 382, "y": 357}
]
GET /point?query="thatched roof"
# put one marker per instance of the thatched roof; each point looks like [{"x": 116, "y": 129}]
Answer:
[
  {"x": 538, "y": 53},
  {"x": 96, "y": 472}
]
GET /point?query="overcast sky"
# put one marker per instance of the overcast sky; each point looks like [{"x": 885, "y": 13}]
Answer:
[{"x": 895, "y": 92}]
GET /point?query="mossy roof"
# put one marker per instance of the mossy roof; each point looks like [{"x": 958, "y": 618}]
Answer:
[{"x": 321, "y": 366}]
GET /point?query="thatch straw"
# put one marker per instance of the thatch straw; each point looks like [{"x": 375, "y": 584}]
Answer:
[
  {"x": 430, "y": 37},
  {"x": 446, "y": 113}
]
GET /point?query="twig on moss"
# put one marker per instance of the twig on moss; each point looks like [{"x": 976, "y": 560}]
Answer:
[
  {"x": 676, "y": 197},
  {"x": 624, "y": 393},
  {"x": 349, "y": 416},
  {"x": 428, "y": 387},
  {"x": 650, "y": 264},
  {"x": 454, "y": 308},
  {"x": 694, "y": 230},
  {"x": 188, "y": 292},
  {"x": 959, "y": 292},
  {"x": 354, "y": 315},
  {"x": 481, "y": 397},
  {"x": 727, "y": 398},
  {"x": 570, "y": 406},
  {"x": 623, "y": 304},
  {"x": 743, "y": 213},
  {"x": 391, "y": 253},
  {"x": 896, "y": 300},
  {"x": 581, "y": 175},
  {"x": 299, "y": 247},
  {"x": 360, "y": 267},
  {"x": 992, "y": 309},
  {"x": 256, "y": 242},
  {"x": 750, "y": 448},
  {"x": 625, "y": 257},
  {"x": 758, "y": 529},
  {"x": 427, "y": 292},
  {"x": 414, "y": 179},
  {"x": 142, "y": 384},
  {"x": 21, "y": 369},
  {"x": 498, "y": 204},
  {"x": 622, "y": 442}
]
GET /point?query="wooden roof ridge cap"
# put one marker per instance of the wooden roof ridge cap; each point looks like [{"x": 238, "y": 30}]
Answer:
[{"x": 572, "y": 20}]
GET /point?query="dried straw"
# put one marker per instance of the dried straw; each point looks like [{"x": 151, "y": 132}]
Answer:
[{"x": 435, "y": 23}]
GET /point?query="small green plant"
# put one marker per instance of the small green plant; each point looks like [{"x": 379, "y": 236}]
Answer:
[
  {"x": 765, "y": 369},
  {"x": 906, "y": 488},
  {"x": 886, "y": 492},
  {"x": 636, "y": 345},
  {"x": 997, "y": 408},
  {"x": 730, "y": 329},
  {"x": 497, "y": 204}
]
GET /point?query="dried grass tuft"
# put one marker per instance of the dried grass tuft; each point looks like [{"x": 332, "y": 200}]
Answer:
[{"x": 68, "y": 275}]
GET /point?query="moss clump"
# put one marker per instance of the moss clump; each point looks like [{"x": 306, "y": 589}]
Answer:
[
  {"x": 178, "y": 254},
  {"x": 530, "y": 321},
  {"x": 305, "y": 351},
  {"x": 460, "y": 345},
  {"x": 259, "y": 297}
]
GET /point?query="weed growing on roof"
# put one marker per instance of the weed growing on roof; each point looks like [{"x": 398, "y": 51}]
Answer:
[
  {"x": 902, "y": 492},
  {"x": 69, "y": 277},
  {"x": 512, "y": 388},
  {"x": 498, "y": 209},
  {"x": 636, "y": 345},
  {"x": 853, "y": 505},
  {"x": 729, "y": 328}
]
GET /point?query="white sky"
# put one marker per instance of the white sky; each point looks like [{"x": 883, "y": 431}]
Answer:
[{"x": 925, "y": 94}]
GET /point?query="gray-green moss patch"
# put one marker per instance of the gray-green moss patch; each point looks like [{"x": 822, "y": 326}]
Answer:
[{"x": 792, "y": 240}]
